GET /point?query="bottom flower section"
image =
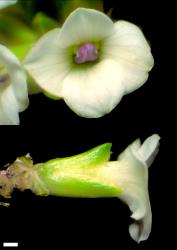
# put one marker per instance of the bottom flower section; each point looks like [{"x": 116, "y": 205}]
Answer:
[{"x": 91, "y": 175}]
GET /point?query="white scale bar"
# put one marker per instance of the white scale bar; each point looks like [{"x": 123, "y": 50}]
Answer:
[{"x": 10, "y": 244}]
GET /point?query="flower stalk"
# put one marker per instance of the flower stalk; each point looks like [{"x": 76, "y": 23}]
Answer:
[{"x": 92, "y": 175}]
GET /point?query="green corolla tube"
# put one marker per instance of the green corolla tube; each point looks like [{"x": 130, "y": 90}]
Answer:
[{"x": 92, "y": 175}]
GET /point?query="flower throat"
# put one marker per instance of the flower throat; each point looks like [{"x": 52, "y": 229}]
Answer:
[
  {"x": 4, "y": 77},
  {"x": 86, "y": 53}
]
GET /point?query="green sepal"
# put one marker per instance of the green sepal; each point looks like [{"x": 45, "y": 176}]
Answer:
[
  {"x": 83, "y": 175},
  {"x": 78, "y": 184},
  {"x": 80, "y": 175},
  {"x": 91, "y": 158}
]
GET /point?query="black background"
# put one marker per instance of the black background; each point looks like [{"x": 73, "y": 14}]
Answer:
[{"x": 50, "y": 129}]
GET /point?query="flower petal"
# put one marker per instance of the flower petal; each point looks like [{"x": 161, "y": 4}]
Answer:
[
  {"x": 129, "y": 48},
  {"x": 149, "y": 149},
  {"x": 6, "y": 3},
  {"x": 4, "y": 120},
  {"x": 131, "y": 175},
  {"x": 48, "y": 63},
  {"x": 17, "y": 77},
  {"x": 85, "y": 25},
  {"x": 9, "y": 107},
  {"x": 94, "y": 91}
]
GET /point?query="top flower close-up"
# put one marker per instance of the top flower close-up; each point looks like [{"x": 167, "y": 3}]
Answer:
[{"x": 90, "y": 62}]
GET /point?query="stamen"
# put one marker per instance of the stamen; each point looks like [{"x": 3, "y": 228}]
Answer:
[{"x": 86, "y": 53}]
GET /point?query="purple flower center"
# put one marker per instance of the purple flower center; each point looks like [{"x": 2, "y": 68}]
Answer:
[
  {"x": 86, "y": 53},
  {"x": 4, "y": 76},
  {"x": 3, "y": 79}
]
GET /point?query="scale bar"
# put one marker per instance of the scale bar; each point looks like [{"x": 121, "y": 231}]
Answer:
[{"x": 10, "y": 244}]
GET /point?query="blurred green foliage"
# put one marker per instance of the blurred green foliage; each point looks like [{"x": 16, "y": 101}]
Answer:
[
  {"x": 58, "y": 9},
  {"x": 65, "y": 7},
  {"x": 23, "y": 23},
  {"x": 19, "y": 31}
]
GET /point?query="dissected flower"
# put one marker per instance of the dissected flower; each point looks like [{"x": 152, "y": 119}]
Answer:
[
  {"x": 13, "y": 88},
  {"x": 91, "y": 62},
  {"x": 92, "y": 175}
]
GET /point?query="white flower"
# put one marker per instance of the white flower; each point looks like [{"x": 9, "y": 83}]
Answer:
[
  {"x": 130, "y": 173},
  {"x": 91, "y": 62},
  {"x": 13, "y": 88},
  {"x": 6, "y": 3}
]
